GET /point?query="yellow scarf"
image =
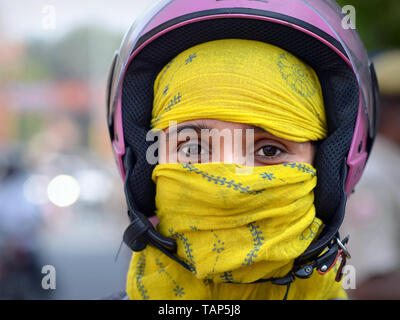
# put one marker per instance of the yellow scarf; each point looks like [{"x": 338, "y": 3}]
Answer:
[
  {"x": 242, "y": 81},
  {"x": 232, "y": 227}
]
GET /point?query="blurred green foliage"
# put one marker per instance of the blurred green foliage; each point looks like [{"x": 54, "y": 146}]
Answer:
[
  {"x": 29, "y": 124},
  {"x": 83, "y": 53},
  {"x": 86, "y": 52},
  {"x": 377, "y": 22}
]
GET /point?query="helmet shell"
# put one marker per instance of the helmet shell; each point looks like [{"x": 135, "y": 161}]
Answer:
[{"x": 313, "y": 30}]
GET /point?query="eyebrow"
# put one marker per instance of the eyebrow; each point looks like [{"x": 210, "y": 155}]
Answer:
[
  {"x": 259, "y": 130},
  {"x": 199, "y": 126},
  {"x": 196, "y": 127}
]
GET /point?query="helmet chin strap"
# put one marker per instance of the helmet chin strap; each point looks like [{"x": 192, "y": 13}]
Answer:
[{"x": 141, "y": 232}]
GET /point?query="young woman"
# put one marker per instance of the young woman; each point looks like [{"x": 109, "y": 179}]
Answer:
[{"x": 265, "y": 116}]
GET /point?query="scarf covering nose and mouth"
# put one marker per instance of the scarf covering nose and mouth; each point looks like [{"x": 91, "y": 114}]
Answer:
[
  {"x": 235, "y": 228},
  {"x": 231, "y": 229}
]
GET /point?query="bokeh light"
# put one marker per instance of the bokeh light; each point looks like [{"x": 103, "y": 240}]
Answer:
[{"x": 63, "y": 190}]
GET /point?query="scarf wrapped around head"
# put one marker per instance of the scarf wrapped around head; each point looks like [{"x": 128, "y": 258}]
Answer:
[
  {"x": 242, "y": 81},
  {"x": 233, "y": 229}
]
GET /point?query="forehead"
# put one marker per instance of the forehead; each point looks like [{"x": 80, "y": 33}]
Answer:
[{"x": 219, "y": 124}]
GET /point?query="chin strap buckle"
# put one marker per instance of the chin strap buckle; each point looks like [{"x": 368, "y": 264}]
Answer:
[
  {"x": 345, "y": 254},
  {"x": 328, "y": 260},
  {"x": 342, "y": 246}
]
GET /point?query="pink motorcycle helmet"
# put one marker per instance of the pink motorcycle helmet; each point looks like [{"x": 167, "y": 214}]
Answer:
[{"x": 312, "y": 30}]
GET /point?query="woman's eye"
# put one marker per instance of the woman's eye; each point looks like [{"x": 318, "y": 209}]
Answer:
[
  {"x": 193, "y": 150},
  {"x": 269, "y": 151}
]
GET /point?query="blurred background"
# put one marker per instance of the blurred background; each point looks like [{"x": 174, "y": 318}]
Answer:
[{"x": 61, "y": 198}]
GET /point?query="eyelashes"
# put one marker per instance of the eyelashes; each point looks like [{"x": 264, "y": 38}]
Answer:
[
  {"x": 269, "y": 151},
  {"x": 193, "y": 150},
  {"x": 263, "y": 151}
]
